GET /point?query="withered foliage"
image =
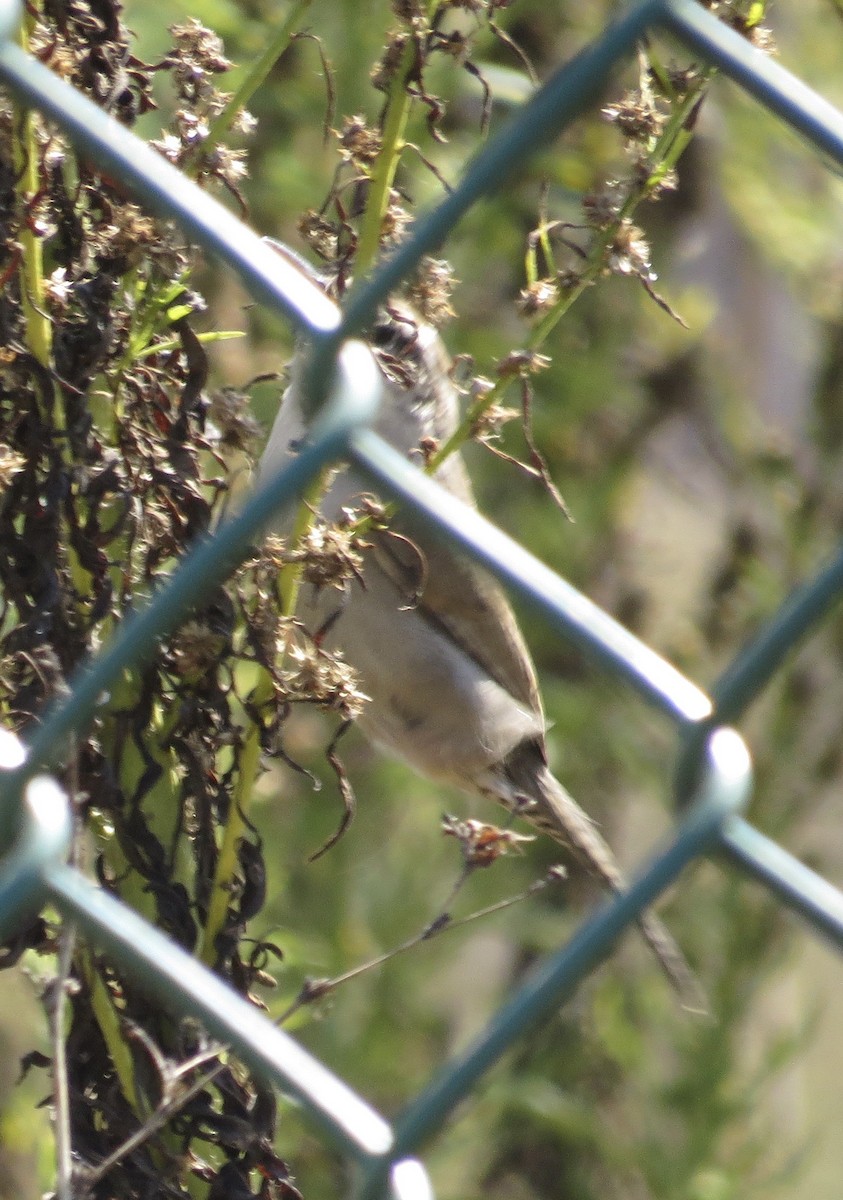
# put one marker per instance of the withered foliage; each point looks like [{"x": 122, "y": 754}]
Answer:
[{"x": 112, "y": 463}]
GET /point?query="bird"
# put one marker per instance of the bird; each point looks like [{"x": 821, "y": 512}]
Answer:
[{"x": 432, "y": 637}]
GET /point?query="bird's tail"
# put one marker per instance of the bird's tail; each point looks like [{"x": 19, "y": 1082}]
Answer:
[{"x": 548, "y": 806}]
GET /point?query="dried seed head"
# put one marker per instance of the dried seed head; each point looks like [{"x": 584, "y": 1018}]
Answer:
[
  {"x": 430, "y": 290},
  {"x": 319, "y": 234},
  {"x": 487, "y": 427},
  {"x": 538, "y": 297},
  {"x": 315, "y": 676},
  {"x": 642, "y": 176},
  {"x": 428, "y": 448},
  {"x": 58, "y": 289},
  {"x": 360, "y": 144},
  {"x": 602, "y": 208},
  {"x": 128, "y": 234},
  {"x": 198, "y": 52},
  {"x": 369, "y": 507},
  {"x": 630, "y": 253},
  {"x": 408, "y": 11},
  {"x": 245, "y": 123},
  {"x": 11, "y": 464},
  {"x": 522, "y": 363},
  {"x": 395, "y": 221},
  {"x": 384, "y": 71},
  {"x": 169, "y": 146},
  {"x": 568, "y": 278},
  {"x": 232, "y": 420},
  {"x": 273, "y": 552},
  {"x": 196, "y": 650},
  {"x": 225, "y": 164},
  {"x": 329, "y": 556},
  {"x": 482, "y": 844},
  {"x": 636, "y": 116}
]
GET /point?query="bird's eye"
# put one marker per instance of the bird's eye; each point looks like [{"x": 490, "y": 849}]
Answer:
[
  {"x": 382, "y": 334},
  {"x": 395, "y": 334}
]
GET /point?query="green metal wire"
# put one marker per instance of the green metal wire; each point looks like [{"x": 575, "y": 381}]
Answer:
[
  {"x": 35, "y": 820},
  {"x": 179, "y": 982},
  {"x": 558, "y": 101},
  {"x": 568, "y": 610},
  {"x": 723, "y": 790}
]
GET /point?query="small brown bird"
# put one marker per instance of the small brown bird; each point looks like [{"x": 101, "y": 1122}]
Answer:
[{"x": 451, "y": 685}]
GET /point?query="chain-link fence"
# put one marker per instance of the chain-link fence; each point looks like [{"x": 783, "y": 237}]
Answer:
[{"x": 715, "y": 779}]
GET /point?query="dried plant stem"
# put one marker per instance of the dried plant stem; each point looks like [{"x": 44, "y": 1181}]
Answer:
[
  {"x": 162, "y": 799},
  {"x": 173, "y": 1104},
  {"x": 61, "y": 1092},
  {"x": 316, "y": 989},
  {"x": 169, "y": 1107}
]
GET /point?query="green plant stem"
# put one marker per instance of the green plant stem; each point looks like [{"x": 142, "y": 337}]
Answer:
[
  {"x": 38, "y": 331},
  {"x": 254, "y": 77},
  {"x": 150, "y": 307},
  {"x": 666, "y": 153},
  {"x": 161, "y": 800},
  {"x": 204, "y": 339},
  {"x": 110, "y": 1028},
  {"x": 236, "y": 824},
  {"x": 399, "y": 103},
  {"x": 249, "y": 766},
  {"x": 289, "y": 577}
]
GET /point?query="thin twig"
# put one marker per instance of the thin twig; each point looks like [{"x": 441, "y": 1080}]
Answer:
[
  {"x": 56, "y": 1010},
  {"x": 87, "y": 1179},
  {"x": 61, "y": 1089},
  {"x": 315, "y": 989},
  {"x": 310, "y": 991}
]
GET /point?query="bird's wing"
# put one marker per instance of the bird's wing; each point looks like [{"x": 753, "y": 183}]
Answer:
[{"x": 451, "y": 591}]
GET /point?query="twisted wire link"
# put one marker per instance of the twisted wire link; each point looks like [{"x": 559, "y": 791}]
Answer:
[{"x": 714, "y": 780}]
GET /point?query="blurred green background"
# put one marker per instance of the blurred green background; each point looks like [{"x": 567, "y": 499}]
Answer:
[{"x": 701, "y": 467}]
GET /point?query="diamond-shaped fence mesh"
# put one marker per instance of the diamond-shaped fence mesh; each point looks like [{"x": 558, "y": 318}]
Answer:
[{"x": 715, "y": 779}]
